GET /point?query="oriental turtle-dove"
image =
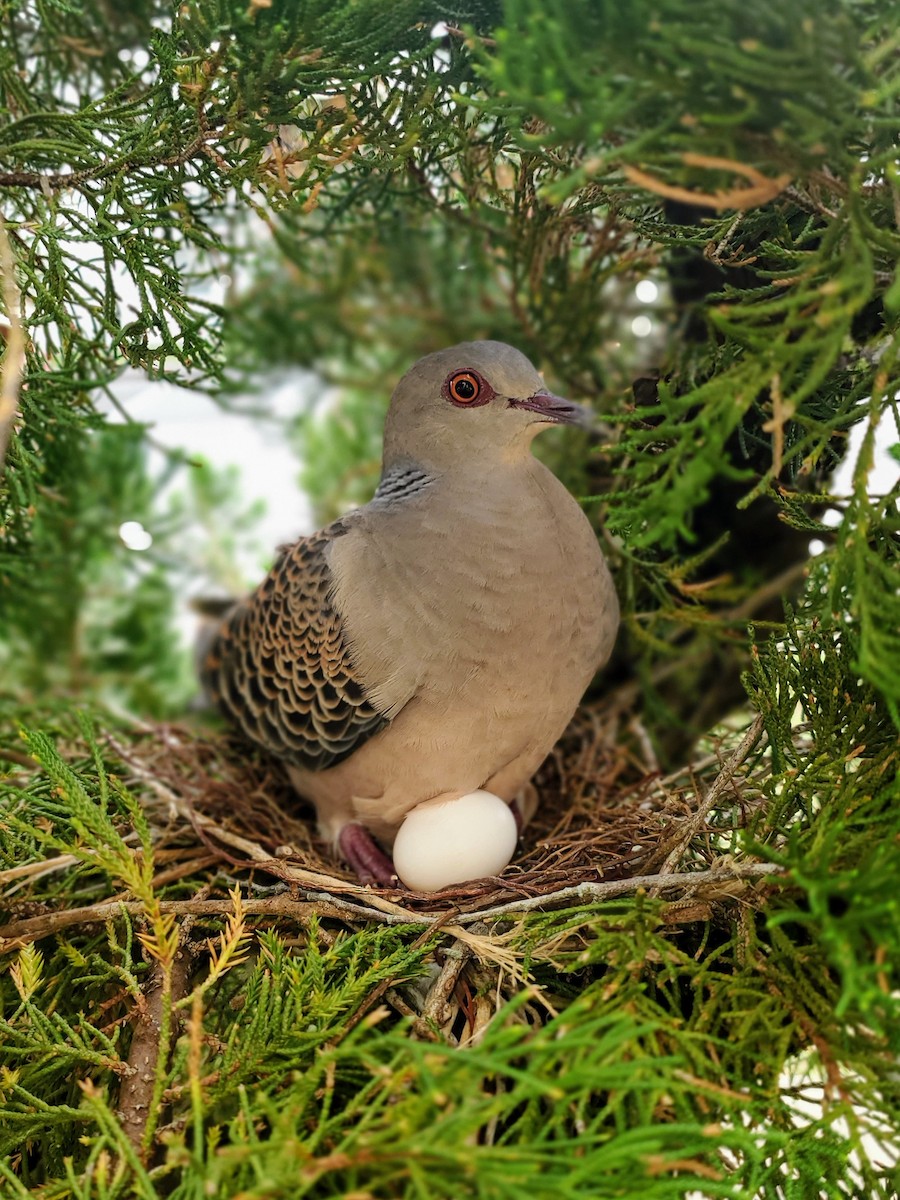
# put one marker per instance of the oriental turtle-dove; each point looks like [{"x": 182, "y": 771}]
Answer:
[{"x": 437, "y": 640}]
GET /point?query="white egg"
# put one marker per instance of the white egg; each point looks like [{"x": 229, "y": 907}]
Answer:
[{"x": 442, "y": 842}]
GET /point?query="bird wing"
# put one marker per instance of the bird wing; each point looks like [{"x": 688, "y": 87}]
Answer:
[{"x": 280, "y": 665}]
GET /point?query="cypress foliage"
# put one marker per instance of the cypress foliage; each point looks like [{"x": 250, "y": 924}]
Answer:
[{"x": 379, "y": 178}]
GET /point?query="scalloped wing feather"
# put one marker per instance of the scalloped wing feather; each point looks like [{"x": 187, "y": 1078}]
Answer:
[{"x": 280, "y": 667}]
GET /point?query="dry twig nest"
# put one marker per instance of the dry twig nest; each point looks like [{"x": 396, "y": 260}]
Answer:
[
  {"x": 609, "y": 824},
  {"x": 606, "y": 824}
]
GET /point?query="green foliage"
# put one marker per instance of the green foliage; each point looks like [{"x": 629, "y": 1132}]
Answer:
[
  {"x": 671, "y": 1066},
  {"x": 749, "y": 77},
  {"x": 832, "y": 804},
  {"x": 75, "y": 601},
  {"x": 212, "y": 191}
]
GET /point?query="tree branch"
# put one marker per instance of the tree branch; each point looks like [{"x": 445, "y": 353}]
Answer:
[
  {"x": 58, "y": 181},
  {"x": 14, "y": 354},
  {"x": 165, "y": 987},
  {"x": 694, "y": 824},
  {"x": 321, "y": 904}
]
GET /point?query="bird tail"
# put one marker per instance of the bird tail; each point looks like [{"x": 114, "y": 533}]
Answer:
[{"x": 212, "y": 612}]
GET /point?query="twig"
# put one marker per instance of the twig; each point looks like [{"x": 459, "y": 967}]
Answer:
[
  {"x": 435, "y": 1010},
  {"x": 587, "y": 893},
  {"x": 318, "y": 904},
  {"x": 163, "y": 989},
  {"x": 627, "y": 694},
  {"x": 43, "y": 866},
  {"x": 380, "y": 988},
  {"x": 694, "y": 824},
  {"x": 34, "y": 928},
  {"x": 172, "y": 874},
  {"x": 66, "y": 179},
  {"x": 762, "y": 189},
  {"x": 14, "y": 354},
  {"x": 397, "y": 1002},
  {"x": 16, "y": 756},
  {"x": 469, "y": 39},
  {"x": 777, "y": 586},
  {"x": 781, "y": 415}
]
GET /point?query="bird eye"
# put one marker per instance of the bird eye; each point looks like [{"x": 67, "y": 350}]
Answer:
[{"x": 464, "y": 387}]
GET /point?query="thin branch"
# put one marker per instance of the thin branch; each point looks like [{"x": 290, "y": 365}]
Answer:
[
  {"x": 43, "y": 866},
  {"x": 34, "y": 928},
  {"x": 471, "y": 39},
  {"x": 780, "y": 585},
  {"x": 436, "y": 1010},
  {"x": 627, "y": 694},
  {"x": 16, "y": 756},
  {"x": 74, "y": 179},
  {"x": 589, "y": 893},
  {"x": 762, "y": 189},
  {"x": 381, "y": 988},
  {"x": 690, "y": 828},
  {"x": 14, "y": 355},
  {"x": 319, "y": 904}
]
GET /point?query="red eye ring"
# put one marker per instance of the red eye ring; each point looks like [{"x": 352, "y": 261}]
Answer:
[
  {"x": 467, "y": 389},
  {"x": 464, "y": 387}
]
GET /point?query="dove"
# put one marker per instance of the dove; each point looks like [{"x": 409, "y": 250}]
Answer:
[{"x": 436, "y": 641}]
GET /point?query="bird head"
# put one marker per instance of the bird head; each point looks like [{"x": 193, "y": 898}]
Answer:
[{"x": 477, "y": 400}]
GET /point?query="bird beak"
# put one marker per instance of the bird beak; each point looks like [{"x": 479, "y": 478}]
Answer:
[{"x": 555, "y": 410}]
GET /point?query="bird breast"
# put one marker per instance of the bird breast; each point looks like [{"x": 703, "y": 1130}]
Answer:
[{"x": 467, "y": 594}]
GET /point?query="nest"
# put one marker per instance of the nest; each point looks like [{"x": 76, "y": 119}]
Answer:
[{"x": 607, "y": 822}]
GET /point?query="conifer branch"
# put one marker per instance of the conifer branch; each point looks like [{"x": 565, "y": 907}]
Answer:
[{"x": 59, "y": 181}]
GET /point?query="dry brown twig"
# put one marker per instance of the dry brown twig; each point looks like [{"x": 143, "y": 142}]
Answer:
[
  {"x": 14, "y": 355},
  {"x": 761, "y": 188},
  {"x": 689, "y": 830},
  {"x": 321, "y": 904}
]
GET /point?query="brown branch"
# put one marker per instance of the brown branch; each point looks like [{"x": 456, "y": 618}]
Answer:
[
  {"x": 74, "y": 179},
  {"x": 779, "y": 585},
  {"x": 762, "y": 189},
  {"x": 14, "y": 354},
  {"x": 381, "y": 988},
  {"x": 41, "y": 867},
  {"x": 17, "y": 757},
  {"x": 591, "y": 893},
  {"x": 436, "y": 1010},
  {"x": 47, "y": 866},
  {"x": 319, "y": 904},
  {"x": 163, "y": 988},
  {"x": 19, "y": 933},
  {"x": 690, "y": 828},
  {"x": 473, "y": 39}
]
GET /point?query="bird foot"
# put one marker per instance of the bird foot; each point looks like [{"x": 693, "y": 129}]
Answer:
[
  {"x": 517, "y": 816},
  {"x": 369, "y": 862},
  {"x": 525, "y": 805}
]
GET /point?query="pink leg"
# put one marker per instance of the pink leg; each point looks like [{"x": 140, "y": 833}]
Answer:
[
  {"x": 517, "y": 815},
  {"x": 370, "y": 863}
]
